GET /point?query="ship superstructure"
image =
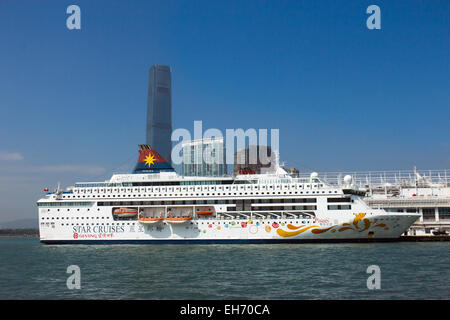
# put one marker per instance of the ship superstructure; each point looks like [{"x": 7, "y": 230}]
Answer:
[{"x": 156, "y": 205}]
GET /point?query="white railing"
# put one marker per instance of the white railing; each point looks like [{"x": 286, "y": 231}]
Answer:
[
  {"x": 401, "y": 203},
  {"x": 401, "y": 178}
]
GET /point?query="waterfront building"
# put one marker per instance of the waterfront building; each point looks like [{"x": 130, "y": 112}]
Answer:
[
  {"x": 204, "y": 157},
  {"x": 253, "y": 160},
  {"x": 293, "y": 172}
]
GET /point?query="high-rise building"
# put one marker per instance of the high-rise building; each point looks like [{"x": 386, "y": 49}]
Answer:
[
  {"x": 253, "y": 160},
  {"x": 159, "y": 111},
  {"x": 204, "y": 157}
]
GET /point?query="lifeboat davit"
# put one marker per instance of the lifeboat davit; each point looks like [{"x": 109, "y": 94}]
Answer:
[
  {"x": 150, "y": 220},
  {"x": 125, "y": 212},
  {"x": 178, "y": 219},
  {"x": 204, "y": 213}
]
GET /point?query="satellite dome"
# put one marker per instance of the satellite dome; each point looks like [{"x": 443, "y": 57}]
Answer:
[
  {"x": 314, "y": 175},
  {"x": 348, "y": 179}
]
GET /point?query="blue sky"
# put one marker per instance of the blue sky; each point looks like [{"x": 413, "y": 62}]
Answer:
[{"x": 73, "y": 102}]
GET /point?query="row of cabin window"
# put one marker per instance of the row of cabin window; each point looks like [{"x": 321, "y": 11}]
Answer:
[
  {"x": 340, "y": 207},
  {"x": 202, "y": 194},
  {"x": 175, "y": 189},
  {"x": 201, "y": 202},
  {"x": 63, "y": 204},
  {"x": 202, "y": 223},
  {"x": 57, "y": 218},
  {"x": 97, "y": 224}
]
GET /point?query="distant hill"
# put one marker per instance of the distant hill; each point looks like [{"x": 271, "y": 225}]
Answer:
[
  {"x": 9, "y": 233},
  {"x": 20, "y": 224}
]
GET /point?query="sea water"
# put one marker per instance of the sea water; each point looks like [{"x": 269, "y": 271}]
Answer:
[{"x": 407, "y": 270}]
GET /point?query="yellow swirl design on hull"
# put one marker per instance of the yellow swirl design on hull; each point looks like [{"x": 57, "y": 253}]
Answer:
[
  {"x": 355, "y": 225},
  {"x": 292, "y": 227},
  {"x": 366, "y": 225},
  {"x": 319, "y": 231},
  {"x": 293, "y": 233}
]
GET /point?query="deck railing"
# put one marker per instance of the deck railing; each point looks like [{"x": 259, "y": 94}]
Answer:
[{"x": 401, "y": 178}]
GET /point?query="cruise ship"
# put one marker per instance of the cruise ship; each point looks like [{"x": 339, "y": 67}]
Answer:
[{"x": 155, "y": 205}]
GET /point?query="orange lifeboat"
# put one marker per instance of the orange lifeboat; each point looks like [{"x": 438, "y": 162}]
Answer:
[
  {"x": 150, "y": 220},
  {"x": 125, "y": 212},
  {"x": 178, "y": 219},
  {"x": 204, "y": 213}
]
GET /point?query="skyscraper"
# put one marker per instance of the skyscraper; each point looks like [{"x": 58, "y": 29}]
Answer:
[
  {"x": 159, "y": 110},
  {"x": 254, "y": 159},
  {"x": 204, "y": 157}
]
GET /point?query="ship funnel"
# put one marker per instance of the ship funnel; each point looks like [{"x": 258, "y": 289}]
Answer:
[{"x": 150, "y": 161}]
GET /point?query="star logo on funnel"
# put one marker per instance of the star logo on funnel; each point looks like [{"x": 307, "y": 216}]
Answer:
[{"x": 149, "y": 160}]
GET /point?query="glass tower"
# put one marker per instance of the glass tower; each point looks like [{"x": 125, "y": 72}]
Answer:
[
  {"x": 159, "y": 111},
  {"x": 204, "y": 157}
]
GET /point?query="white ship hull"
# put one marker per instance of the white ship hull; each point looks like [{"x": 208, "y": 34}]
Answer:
[{"x": 356, "y": 227}]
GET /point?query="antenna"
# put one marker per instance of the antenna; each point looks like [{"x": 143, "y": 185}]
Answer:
[
  {"x": 278, "y": 170},
  {"x": 58, "y": 191}
]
